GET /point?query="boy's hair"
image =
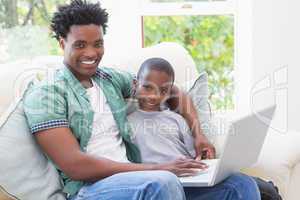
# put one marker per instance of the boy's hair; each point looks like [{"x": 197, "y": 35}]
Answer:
[
  {"x": 78, "y": 12},
  {"x": 158, "y": 64}
]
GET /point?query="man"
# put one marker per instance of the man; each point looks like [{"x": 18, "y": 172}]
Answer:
[{"x": 78, "y": 118}]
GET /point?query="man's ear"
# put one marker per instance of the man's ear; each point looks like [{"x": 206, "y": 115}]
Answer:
[{"x": 62, "y": 43}]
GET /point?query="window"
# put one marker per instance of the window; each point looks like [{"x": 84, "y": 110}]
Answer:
[
  {"x": 25, "y": 26},
  {"x": 206, "y": 29}
]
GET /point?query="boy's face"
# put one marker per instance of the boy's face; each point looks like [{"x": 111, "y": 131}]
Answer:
[{"x": 153, "y": 89}]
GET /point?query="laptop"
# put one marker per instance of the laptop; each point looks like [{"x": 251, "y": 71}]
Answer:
[{"x": 242, "y": 147}]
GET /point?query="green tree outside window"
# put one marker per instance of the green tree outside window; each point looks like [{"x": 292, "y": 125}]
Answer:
[{"x": 209, "y": 40}]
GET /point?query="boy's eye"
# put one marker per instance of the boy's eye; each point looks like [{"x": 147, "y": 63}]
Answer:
[
  {"x": 164, "y": 91},
  {"x": 147, "y": 87}
]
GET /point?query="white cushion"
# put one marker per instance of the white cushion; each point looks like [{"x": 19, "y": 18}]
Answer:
[
  {"x": 199, "y": 94},
  {"x": 24, "y": 171},
  {"x": 17, "y": 75}
]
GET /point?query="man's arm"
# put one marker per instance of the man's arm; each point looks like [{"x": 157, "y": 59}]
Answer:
[
  {"x": 62, "y": 147},
  {"x": 183, "y": 104}
]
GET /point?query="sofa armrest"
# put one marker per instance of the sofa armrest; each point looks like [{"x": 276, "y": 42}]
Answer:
[
  {"x": 279, "y": 162},
  {"x": 293, "y": 190}
]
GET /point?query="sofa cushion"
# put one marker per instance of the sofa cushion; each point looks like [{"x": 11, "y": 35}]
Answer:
[
  {"x": 199, "y": 94},
  {"x": 18, "y": 74},
  {"x": 25, "y": 171}
]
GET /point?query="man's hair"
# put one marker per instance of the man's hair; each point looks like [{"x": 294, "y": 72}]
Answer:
[
  {"x": 78, "y": 12},
  {"x": 158, "y": 64}
]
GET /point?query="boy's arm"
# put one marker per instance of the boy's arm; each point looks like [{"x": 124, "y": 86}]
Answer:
[{"x": 183, "y": 104}]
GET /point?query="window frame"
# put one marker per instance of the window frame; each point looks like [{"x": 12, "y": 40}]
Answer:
[{"x": 188, "y": 8}]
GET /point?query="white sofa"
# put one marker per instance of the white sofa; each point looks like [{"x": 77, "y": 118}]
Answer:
[{"x": 280, "y": 156}]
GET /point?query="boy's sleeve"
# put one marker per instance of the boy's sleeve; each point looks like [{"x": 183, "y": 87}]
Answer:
[
  {"x": 186, "y": 134},
  {"x": 45, "y": 107},
  {"x": 183, "y": 125},
  {"x": 133, "y": 124}
]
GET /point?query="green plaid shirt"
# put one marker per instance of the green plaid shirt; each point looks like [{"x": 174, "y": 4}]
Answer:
[{"x": 62, "y": 101}]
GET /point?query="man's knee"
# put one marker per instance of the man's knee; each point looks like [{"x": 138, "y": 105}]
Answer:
[
  {"x": 164, "y": 185},
  {"x": 164, "y": 177}
]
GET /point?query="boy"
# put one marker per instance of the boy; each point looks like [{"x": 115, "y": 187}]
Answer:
[{"x": 163, "y": 135}]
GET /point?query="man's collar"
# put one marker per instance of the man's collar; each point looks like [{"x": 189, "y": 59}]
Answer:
[
  {"x": 102, "y": 74},
  {"x": 75, "y": 83}
]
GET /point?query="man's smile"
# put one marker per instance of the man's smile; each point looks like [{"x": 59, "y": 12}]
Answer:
[{"x": 89, "y": 62}]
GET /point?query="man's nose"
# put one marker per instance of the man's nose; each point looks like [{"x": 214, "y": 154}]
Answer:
[{"x": 91, "y": 52}]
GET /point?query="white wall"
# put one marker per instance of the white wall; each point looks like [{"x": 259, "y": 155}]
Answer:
[
  {"x": 123, "y": 37},
  {"x": 243, "y": 54},
  {"x": 293, "y": 52},
  {"x": 276, "y": 39}
]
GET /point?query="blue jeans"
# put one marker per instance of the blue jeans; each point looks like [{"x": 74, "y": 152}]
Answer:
[{"x": 163, "y": 185}]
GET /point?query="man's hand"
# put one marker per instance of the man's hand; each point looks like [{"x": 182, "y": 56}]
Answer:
[
  {"x": 182, "y": 167},
  {"x": 204, "y": 149}
]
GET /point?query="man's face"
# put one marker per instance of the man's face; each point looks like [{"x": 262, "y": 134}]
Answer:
[{"x": 83, "y": 50}]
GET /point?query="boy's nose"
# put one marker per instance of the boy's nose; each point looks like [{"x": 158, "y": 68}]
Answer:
[{"x": 154, "y": 97}]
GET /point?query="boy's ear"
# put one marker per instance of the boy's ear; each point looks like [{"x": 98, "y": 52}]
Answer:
[{"x": 134, "y": 86}]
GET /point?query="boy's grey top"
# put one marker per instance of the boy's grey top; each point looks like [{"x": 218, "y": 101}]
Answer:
[{"x": 161, "y": 136}]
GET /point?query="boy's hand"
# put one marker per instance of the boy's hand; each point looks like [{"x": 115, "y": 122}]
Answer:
[
  {"x": 204, "y": 149},
  {"x": 183, "y": 167}
]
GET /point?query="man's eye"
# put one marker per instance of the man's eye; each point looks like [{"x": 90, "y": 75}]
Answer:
[
  {"x": 99, "y": 45},
  {"x": 79, "y": 46}
]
